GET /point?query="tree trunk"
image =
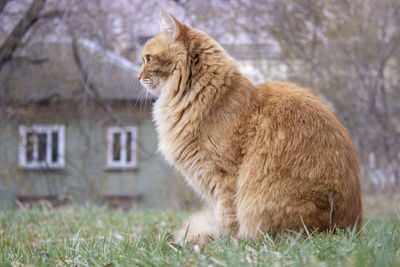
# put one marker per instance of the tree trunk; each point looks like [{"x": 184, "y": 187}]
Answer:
[
  {"x": 3, "y": 3},
  {"x": 12, "y": 41}
]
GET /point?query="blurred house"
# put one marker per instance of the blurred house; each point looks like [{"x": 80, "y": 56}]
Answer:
[{"x": 77, "y": 125}]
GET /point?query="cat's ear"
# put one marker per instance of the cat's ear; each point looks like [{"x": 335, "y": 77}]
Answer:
[{"x": 169, "y": 24}]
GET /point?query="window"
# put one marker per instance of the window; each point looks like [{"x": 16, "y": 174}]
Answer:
[
  {"x": 42, "y": 146},
  {"x": 121, "y": 147}
]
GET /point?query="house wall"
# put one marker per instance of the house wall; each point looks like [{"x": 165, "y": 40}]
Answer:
[{"x": 85, "y": 176}]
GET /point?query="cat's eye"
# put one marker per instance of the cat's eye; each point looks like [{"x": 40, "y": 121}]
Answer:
[{"x": 148, "y": 57}]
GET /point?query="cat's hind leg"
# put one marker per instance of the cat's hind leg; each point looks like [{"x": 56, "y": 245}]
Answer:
[
  {"x": 267, "y": 203},
  {"x": 199, "y": 228},
  {"x": 277, "y": 214}
]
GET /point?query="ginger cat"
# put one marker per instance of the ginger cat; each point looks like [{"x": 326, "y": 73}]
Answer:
[{"x": 266, "y": 158}]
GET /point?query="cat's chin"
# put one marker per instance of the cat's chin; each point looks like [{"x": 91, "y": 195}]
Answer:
[
  {"x": 156, "y": 91},
  {"x": 153, "y": 91}
]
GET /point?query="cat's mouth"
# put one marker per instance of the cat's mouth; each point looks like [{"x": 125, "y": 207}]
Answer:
[{"x": 149, "y": 85}]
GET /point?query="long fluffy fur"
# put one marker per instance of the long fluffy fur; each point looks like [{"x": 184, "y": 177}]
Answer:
[{"x": 266, "y": 158}]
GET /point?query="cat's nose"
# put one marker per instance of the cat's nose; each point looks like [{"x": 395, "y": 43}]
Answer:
[{"x": 139, "y": 76}]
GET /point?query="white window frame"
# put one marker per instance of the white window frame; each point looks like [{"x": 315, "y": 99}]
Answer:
[
  {"x": 122, "y": 163},
  {"x": 42, "y": 129}
]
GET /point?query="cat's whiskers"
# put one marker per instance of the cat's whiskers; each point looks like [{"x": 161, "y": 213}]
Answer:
[{"x": 141, "y": 98}]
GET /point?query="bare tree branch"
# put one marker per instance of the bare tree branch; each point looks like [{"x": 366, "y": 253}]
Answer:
[
  {"x": 12, "y": 41},
  {"x": 52, "y": 14},
  {"x": 88, "y": 84},
  {"x": 3, "y": 3}
]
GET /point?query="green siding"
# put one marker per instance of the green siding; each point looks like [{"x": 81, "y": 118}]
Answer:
[{"x": 85, "y": 176}]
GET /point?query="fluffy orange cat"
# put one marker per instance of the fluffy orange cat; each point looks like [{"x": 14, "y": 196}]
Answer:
[{"x": 266, "y": 158}]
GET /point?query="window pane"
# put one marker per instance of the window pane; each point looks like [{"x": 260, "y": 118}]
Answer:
[
  {"x": 128, "y": 146},
  {"x": 54, "y": 146},
  {"x": 42, "y": 138},
  {"x": 117, "y": 146},
  {"x": 29, "y": 147}
]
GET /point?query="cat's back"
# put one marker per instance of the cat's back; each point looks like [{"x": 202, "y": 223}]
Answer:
[
  {"x": 295, "y": 116},
  {"x": 296, "y": 107},
  {"x": 280, "y": 92}
]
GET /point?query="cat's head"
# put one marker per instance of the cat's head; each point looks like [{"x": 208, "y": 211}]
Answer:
[{"x": 162, "y": 53}]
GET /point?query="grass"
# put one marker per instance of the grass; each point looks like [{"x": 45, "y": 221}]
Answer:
[{"x": 97, "y": 236}]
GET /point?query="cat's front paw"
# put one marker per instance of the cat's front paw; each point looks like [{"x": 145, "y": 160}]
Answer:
[
  {"x": 192, "y": 237},
  {"x": 228, "y": 226},
  {"x": 199, "y": 229},
  {"x": 200, "y": 239}
]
